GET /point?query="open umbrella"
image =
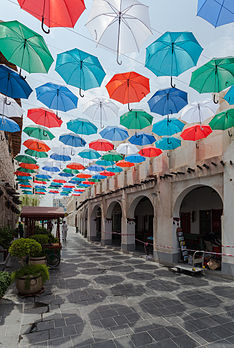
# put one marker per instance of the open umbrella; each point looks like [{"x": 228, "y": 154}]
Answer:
[
  {"x": 106, "y": 173},
  {"x": 9, "y": 107},
  {"x": 142, "y": 139},
  {"x": 114, "y": 133},
  {"x": 216, "y": 12},
  {"x": 75, "y": 166},
  {"x": 64, "y": 13},
  {"x": 198, "y": 111},
  {"x": 80, "y": 69},
  {"x": 38, "y": 133},
  {"x": 8, "y": 125},
  {"x": 51, "y": 168},
  {"x": 72, "y": 140},
  {"x": 172, "y": 54},
  {"x": 89, "y": 154},
  {"x": 136, "y": 119},
  {"x": 25, "y": 170},
  {"x": 168, "y": 126},
  {"x": 114, "y": 169},
  {"x": 36, "y": 145},
  {"x": 43, "y": 176},
  {"x": 105, "y": 163},
  {"x": 168, "y": 101},
  {"x": 24, "y": 47},
  {"x": 71, "y": 171},
  {"x": 98, "y": 177},
  {"x": 125, "y": 164},
  {"x": 214, "y": 76},
  {"x": 83, "y": 176},
  {"x": 60, "y": 157},
  {"x": 29, "y": 165},
  {"x": 135, "y": 158},
  {"x": 121, "y": 25},
  {"x": 95, "y": 168},
  {"x": 223, "y": 120},
  {"x": 20, "y": 173},
  {"x": 102, "y": 110},
  {"x": 112, "y": 156},
  {"x": 101, "y": 145},
  {"x": 168, "y": 143},
  {"x": 82, "y": 126},
  {"x": 150, "y": 151},
  {"x": 12, "y": 84},
  {"x": 25, "y": 159},
  {"x": 127, "y": 149},
  {"x": 196, "y": 132},
  {"x": 129, "y": 87},
  {"x": 229, "y": 96},
  {"x": 44, "y": 117},
  {"x": 36, "y": 154}
]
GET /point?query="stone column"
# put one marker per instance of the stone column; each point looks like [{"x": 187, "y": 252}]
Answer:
[
  {"x": 127, "y": 228},
  {"x": 107, "y": 236}
]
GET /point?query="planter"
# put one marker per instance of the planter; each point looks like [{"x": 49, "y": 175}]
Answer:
[
  {"x": 37, "y": 260},
  {"x": 28, "y": 285}
]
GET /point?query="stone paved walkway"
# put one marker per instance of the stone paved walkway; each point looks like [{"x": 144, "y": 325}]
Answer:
[{"x": 101, "y": 298}]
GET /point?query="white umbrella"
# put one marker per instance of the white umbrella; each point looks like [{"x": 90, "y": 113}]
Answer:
[
  {"x": 101, "y": 109},
  {"x": 64, "y": 150},
  {"x": 198, "y": 111},
  {"x": 9, "y": 107},
  {"x": 122, "y": 25},
  {"x": 127, "y": 149}
]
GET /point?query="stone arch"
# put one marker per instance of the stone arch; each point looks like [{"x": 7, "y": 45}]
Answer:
[
  {"x": 96, "y": 223},
  {"x": 134, "y": 202},
  {"x": 113, "y": 223}
]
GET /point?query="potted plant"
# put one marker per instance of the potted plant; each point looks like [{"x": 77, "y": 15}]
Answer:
[
  {"x": 29, "y": 279},
  {"x": 39, "y": 258},
  {"x": 24, "y": 247},
  {"x": 5, "y": 281}
]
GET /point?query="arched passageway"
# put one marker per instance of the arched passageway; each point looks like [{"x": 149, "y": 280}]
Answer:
[
  {"x": 116, "y": 218},
  {"x": 96, "y": 223},
  {"x": 85, "y": 223}
]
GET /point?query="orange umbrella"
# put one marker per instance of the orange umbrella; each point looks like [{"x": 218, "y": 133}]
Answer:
[
  {"x": 18, "y": 173},
  {"x": 40, "y": 182},
  {"x": 124, "y": 164},
  {"x": 29, "y": 166},
  {"x": 128, "y": 88},
  {"x": 75, "y": 194},
  {"x": 101, "y": 145},
  {"x": 106, "y": 173},
  {"x": 150, "y": 151},
  {"x": 36, "y": 145},
  {"x": 89, "y": 182},
  {"x": 84, "y": 176},
  {"x": 59, "y": 181},
  {"x": 76, "y": 166},
  {"x": 196, "y": 132}
]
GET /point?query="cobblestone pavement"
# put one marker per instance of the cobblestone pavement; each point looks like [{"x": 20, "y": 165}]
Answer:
[{"x": 101, "y": 298}]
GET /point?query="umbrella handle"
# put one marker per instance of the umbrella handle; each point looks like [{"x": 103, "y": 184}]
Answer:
[
  {"x": 81, "y": 95},
  {"x": 172, "y": 86},
  {"x": 214, "y": 100},
  {"x": 7, "y": 103},
  {"x": 229, "y": 133},
  {"x": 42, "y": 27},
  {"x": 23, "y": 77},
  {"x": 129, "y": 107},
  {"x": 72, "y": 153},
  {"x": 118, "y": 60}
]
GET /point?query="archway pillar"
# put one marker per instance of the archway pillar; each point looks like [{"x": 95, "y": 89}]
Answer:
[
  {"x": 107, "y": 235},
  {"x": 91, "y": 225},
  {"x": 127, "y": 228}
]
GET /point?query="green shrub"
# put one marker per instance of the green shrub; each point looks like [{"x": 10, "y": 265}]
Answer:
[
  {"x": 40, "y": 230},
  {"x": 25, "y": 247},
  {"x": 31, "y": 270},
  {"x": 6, "y": 237},
  {"x": 52, "y": 239},
  {"x": 5, "y": 281},
  {"x": 41, "y": 238}
]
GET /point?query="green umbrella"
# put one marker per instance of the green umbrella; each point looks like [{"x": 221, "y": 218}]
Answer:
[
  {"x": 25, "y": 159},
  {"x": 223, "y": 120},
  {"x": 136, "y": 119},
  {"x": 71, "y": 171},
  {"x": 37, "y": 154},
  {"x": 112, "y": 156},
  {"x": 94, "y": 180},
  {"x": 24, "y": 48},
  {"x": 25, "y": 170},
  {"x": 41, "y": 133},
  {"x": 214, "y": 76}
]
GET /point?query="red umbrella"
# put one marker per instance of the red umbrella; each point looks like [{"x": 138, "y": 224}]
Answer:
[
  {"x": 29, "y": 166},
  {"x": 76, "y": 166},
  {"x": 60, "y": 181},
  {"x": 44, "y": 117},
  {"x": 89, "y": 182},
  {"x": 150, "y": 151},
  {"x": 69, "y": 186},
  {"x": 54, "y": 191},
  {"x": 36, "y": 145},
  {"x": 124, "y": 164},
  {"x": 84, "y": 176},
  {"x": 52, "y": 13},
  {"x": 101, "y": 145},
  {"x": 40, "y": 193},
  {"x": 75, "y": 194},
  {"x": 80, "y": 190},
  {"x": 40, "y": 182},
  {"x": 128, "y": 88},
  {"x": 196, "y": 132},
  {"x": 22, "y": 173},
  {"x": 106, "y": 173},
  {"x": 25, "y": 185}
]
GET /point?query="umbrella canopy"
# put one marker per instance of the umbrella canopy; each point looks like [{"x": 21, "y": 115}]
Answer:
[
  {"x": 25, "y": 159},
  {"x": 114, "y": 133},
  {"x": 125, "y": 164},
  {"x": 12, "y": 84},
  {"x": 80, "y": 69},
  {"x": 95, "y": 168},
  {"x": 8, "y": 125},
  {"x": 168, "y": 101},
  {"x": 114, "y": 169},
  {"x": 24, "y": 47},
  {"x": 44, "y": 117},
  {"x": 102, "y": 110},
  {"x": 223, "y": 120},
  {"x": 168, "y": 126},
  {"x": 150, "y": 151},
  {"x": 71, "y": 171},
  {"x": 168, "y": 143},
  {"x": 83, "y": 176},
  {"x": 64, "y": 13},
  {"x": 124, "y": 25},
  {"x": 101, "y": 145},
  {"x": 229, "y": 96},
  {"x": 43, "y": 176},
  {"x": 51, "y": 168},
  {"x": 112, "y": 156},
  {"x": 142, "y": 139},
  {"x": 106, "y": 173},
  {"x": 36, "y": 145},
  {"x": 172, "y": 54},
  {"x": 60, "y": 157},
  {"x": 127, "y": 149},
  {"x": 135, "y": 158},
  {"x": 39, "y": 133},
  {"x": 196, "y": 132},
  {"x": 216, "y": 12},
  {"x": 20, "y": 173},
  {"x": 36, "y": 154},
  {"x": 59, "y": 181},
  {"x": 128, "y": 87},
  {"x": 89, "y": 154},
  {"x": 82, "y": 126},
  {"x": 29, "y": 165},
  {"x": 98, "y": 177},
  {"x": 72, "y": 140},
  {"x": 198, "y": 111},
  {"x": 9, "y": 107},
  {"x": 105, "y": 163},
  {"x": 56, "y": 97},
  {"x": 136, "y": 119},
  {"x": 25, "y": 170},
  {"x": 75, "y": 166}
]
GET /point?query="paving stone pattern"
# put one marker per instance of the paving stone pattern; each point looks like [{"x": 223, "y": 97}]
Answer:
[{"x": 100, "y": 297}]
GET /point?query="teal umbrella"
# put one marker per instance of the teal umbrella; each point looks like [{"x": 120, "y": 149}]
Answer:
[
  {"x": 168, "y": 126},
  {"x": 82, "y": 126},
  {"x": 89, "y": 154}
]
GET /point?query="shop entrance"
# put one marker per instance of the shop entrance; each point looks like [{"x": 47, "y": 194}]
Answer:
[{"x": 116, "y": 218}]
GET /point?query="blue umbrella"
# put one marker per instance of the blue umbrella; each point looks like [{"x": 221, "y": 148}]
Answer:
[
  {"x": 168, "y": 143},
  {"x": 95, "y": 168},
  {"x": 40, "y": 187},
  {"x": 89, "y": 153},
  {"x": 82, "y": 126},
  {"x": 67, "y": 189},
  {"x": 72, "y": 140},
  {"x": 67, "y": 175},
  {"x": 80, "y": 69},
  {"x": 104, "y": 163},
  {"x": 51, "y": 169},
  {"x": 114, "y": 169},
  {"x": 55, "y": 184},
  {"x": 84, "y": 185},
  {"x": 114, "y": 133},
  {"x": 99, "y": 176},
  {"x": 172, "y": 54},
  {"x": 142, "y": 139},
  {"x": 43, "y": 176},
  {"x": 8, "y": 125},
  {"x": 59, "y": 157},
  {"x": 168, "y": 101},
  {"x": 216, "y": 12},
  {"x": 168, "y": 126},
  {"x": 135, "y": 158},
  {"x": 56, "y": 97},
  {"x": 12, "y": 84},
  {"x": 229, "y": 96}
]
